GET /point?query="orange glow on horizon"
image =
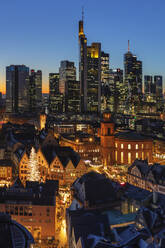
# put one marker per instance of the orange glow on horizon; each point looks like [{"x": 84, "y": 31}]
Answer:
[
  {"x": 2, "y": 87},
  {"x": 45, "y": 88}
]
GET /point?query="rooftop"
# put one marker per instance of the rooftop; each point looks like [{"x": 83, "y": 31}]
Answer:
[{"x": 131, "y": 135}]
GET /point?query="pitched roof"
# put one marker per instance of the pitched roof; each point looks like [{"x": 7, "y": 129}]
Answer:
[
  {"x": 99, "y": 191},
  {"x": 142, "y": 166},
  {"x": 131, "y": 135},
  {"x": 65, "y": 154},
  {"x": 6, "y": 163}
]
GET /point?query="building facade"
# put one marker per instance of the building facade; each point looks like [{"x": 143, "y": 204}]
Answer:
[
  {"x": 35, "y": 90},
  {"x": 158, "y": 81},
  {"x": 89, "y": 74},
  {"x": 33, "y": 207},
  {"x": 55, "y": 97},
  {"x": 123, "y": 147},
  {"x": 17, "y": 83},
  {"x": 69, "y": 87},
  {"x": 54, "y": 163},
  {"x": 132, "y": 81},
  {"x": 149, "y": 177}
]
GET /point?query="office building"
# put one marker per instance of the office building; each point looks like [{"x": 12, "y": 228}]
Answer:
[
  {"x": 17, "y": 82},
  {"x": 158, "y": 81},
  {"x": 35, "y": 90},
  {"x": 69, "y": 87},
  {"x": 104, "y": 67},
  {"x": 73, "y": 97},
  {"x": 132, "y": 81},
  {"x": 89, "y": 74},
  {"x": 149, "y": 88},
  {"x": 55, "y": 97},
  {"x": 116, "y": 87},
  {"x": 67, "y": 72},
  {"x": 94, "y": 78}
]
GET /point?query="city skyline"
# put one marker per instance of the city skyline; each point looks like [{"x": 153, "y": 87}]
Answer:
[{"x": 35, "y": 43}]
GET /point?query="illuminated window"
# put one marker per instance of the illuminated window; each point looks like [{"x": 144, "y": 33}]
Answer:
[
  {"x": 116, "y": 155},
  {"x": 136, "y": 154},
  {"x": 148, "y": 155},
  {"x": 129, "y": 158},
  {"x": 142, "y": 146},
  {"x": 136, "y": 146},
  {"x": 122, "y": 159},
  {"x": 116, "y": 145},
  {"x": 142, "y": 155},
  {"x": 129, "y": 146},
  {"x": 122, "y": 146}
]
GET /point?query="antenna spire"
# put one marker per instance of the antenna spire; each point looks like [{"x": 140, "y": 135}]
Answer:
[
  {"x": 82, "y": 13},
  {"x": 128, "y": 46}
]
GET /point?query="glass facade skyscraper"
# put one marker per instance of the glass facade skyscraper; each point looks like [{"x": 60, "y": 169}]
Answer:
[
  {"x": 17, "y": 83},
  {"x": 132, "y": 81},
  {"x": 158, "y": 81},
  {"x": 35, "y": 90},
  {"x": 69, "y": 87},
  {"x": 55, "y": 98},
  {"x": 89, "y": 74},
  {"x": 149, "y": 89}
]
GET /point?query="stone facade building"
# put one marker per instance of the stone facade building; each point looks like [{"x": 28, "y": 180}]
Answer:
[
  {"x": 149, "y": 177},
  {"x": 122, "y": 147}
]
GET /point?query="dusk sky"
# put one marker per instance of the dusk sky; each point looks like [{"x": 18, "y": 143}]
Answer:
[{"x": 41, "y": 33}]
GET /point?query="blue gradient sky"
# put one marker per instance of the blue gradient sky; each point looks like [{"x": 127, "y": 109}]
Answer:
[{"x": 41, "y": 33}]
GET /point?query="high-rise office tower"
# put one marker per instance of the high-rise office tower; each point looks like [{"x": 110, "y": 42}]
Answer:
[
  {"x": 104, "y": 80},
  {"x": 73, "y": 97},
  {"x": 158, "y": 81},
  {"x": 55, "y": 98},
  {"x": 67, "y": 72},
  {"x": 82, "y": 67},
  {"x": 17, "y": 82},
  {"x": 115, "y": 96},
  {"x": 89, "y": 73},
  {"x": 132, "y": 80},
  {"x": 69, "y": 87},
  {"x": 149, "y": 89},
  {"x": 104, "y": 67},
  {"x": 35, "y": 90}
]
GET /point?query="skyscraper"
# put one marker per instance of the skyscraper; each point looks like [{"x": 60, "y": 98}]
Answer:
[
  {"x": 149, "y": 88},
  {"x": 104, "y": 80},
  {"x": 89, "y": 74},
  {"x": 35, "y": 90},
  {"x": 67, "y": 72},
  {"x": 115, "y": 98},
  {"x": 83, "y": 67},
  {"x": 104, "y": 67},
  {"x": 69, "y": 87},
  {"x": 55, "y": 98},
  {"x": 158, "y": 81},
  {"x": 17, "y": 82},
  {"x": 132, "y": 80}
]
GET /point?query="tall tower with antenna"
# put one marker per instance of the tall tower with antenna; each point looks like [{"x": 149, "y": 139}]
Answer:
[
  {"x": 89, "y": 72},
  {"x": 82, "y": 64},
  {"x": 128, "y": 46},
  {"x": 132, "y": 81}
]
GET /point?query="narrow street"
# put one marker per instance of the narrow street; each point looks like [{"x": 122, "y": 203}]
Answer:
[{"x": 63, "y": 202}]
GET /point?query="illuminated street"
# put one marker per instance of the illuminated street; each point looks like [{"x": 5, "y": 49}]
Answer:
[
  {"x": 63, "y": 202},
  {"x": 117, "y": 173}
]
